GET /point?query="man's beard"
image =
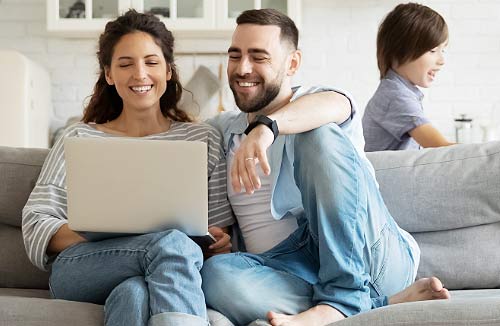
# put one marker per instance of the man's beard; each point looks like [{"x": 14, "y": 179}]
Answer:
[{"x": 261, "y": 100}]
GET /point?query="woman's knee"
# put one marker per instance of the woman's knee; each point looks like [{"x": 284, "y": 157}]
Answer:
[{"x": 174, "y": 243}]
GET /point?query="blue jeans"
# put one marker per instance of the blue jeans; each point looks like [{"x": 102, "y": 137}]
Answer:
[
  {"x": 348, "y": 252},
  {"x": 152, "y": 278}
]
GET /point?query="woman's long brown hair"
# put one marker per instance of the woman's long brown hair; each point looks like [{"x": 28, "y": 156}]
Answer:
[{"x": 105, "y": 104}]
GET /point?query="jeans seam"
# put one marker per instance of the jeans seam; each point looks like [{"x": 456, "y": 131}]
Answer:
[
  {"x": 356, "y": 163},
  {"x": 383, "y": 268},
  {"x": 99, "y": 252},
  {"x": 51, "y": 290},
  {"x": 379, "y": 241},
  {"x": 147, "y": 263},
  {"x": 247, "y": 260},
  {"x": 297, "y": 245}
]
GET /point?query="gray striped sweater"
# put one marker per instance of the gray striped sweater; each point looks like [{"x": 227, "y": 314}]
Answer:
[{"x": 45, "y": 211}]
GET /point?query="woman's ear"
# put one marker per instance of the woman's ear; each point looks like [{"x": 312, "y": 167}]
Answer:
[
  {"x": 169, "y": 72},
  {"x": 294, "y": 63},
  {"x": 107, "y": 74}
]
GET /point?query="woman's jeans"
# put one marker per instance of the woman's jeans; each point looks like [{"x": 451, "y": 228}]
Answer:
[
  {"x": 348, "y": 252},
  {"x": 152, "y": 278}
]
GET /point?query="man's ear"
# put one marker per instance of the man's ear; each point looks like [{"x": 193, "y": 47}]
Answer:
[
  {"x": 294, "y": 64},
  {"x": 107, "y": 74}
]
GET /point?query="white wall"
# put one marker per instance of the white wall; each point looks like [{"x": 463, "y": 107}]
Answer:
[
  {"x": 338, "y": 41},
  {"x": 339, "y": 44}
]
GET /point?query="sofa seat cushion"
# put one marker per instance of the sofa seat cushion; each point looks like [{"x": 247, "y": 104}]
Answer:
[
  {"x": 23, "y": 309},
  {"x": 34, "y": 307},
  {"x": 470, "y": 307}
]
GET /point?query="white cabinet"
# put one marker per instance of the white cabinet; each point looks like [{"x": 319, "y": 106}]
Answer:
[
  {"x": 181, "y": 15},
  {"x": 205, "y": 24},
  {"x": 26, "y": 105},
  {"x": 228, "y": 10},
  {"x": 82, "y": 18}
]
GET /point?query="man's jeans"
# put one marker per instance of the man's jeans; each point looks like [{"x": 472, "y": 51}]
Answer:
[
  {"x": 152, "y": 278},
  {"x": 348, "y": 252}
]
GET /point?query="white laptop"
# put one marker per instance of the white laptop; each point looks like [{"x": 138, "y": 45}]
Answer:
[{"x": 126, "y": 185}]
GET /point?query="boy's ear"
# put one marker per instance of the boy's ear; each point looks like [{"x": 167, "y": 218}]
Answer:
[
  {"x": 107, "y": 74},
  {"x": 295, "y": 59}
]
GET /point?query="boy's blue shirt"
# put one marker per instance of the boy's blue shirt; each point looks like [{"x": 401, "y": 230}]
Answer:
[{"x": 393, "y": 111}]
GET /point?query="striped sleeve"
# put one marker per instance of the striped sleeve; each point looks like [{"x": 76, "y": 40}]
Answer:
[
  {"x": 219, "y": 211},
  {"x": 45, "y": 211}
]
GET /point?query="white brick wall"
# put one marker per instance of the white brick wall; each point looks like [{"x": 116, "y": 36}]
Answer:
[{"x": 338, "y": 41}]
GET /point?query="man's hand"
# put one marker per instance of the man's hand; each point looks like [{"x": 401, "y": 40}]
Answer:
[
  {"x": 251, "y": 151},
  {"x": 222, "y": 245}
]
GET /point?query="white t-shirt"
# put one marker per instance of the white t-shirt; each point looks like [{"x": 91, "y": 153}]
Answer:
[{"x": 259, "y": 229}]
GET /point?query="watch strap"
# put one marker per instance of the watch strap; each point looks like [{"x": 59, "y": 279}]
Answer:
[{"x": 263, "y": 120}]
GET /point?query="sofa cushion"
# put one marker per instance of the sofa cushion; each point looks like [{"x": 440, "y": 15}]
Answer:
[
  {"x": 19, "y": 169},
  {"x": 34, "y": 307},
  {"x": 16, "y": 270},
  {"x": 464, "y": 258},
  {"x": 441, "y": 188},
  {"x": 473, "y": 307},
  {"x": 26, "y": 311},
  {"x": 449, "y": 199}
]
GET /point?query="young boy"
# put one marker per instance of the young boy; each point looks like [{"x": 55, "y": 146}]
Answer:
[{"x": 410, "y": 51}]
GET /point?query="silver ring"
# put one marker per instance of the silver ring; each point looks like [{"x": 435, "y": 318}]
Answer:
[{"x": 249, "y": 158}]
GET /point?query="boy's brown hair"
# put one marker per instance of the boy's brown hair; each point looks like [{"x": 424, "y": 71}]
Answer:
[{"x": 406, "y": 33}]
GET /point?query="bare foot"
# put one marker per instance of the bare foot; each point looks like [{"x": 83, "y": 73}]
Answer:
[
  {"x": 319, "y": 315},
  {"x": 423, "y": 289}
]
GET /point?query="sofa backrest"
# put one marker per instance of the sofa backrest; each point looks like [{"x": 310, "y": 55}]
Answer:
[
  {"x": 19, "y": 169},
  {"x": 448, "y": 198}
]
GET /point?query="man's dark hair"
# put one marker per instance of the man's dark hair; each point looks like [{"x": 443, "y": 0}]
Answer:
[
  {"x": 288, "y": 30},
  {"x": 407, "y": 32}
]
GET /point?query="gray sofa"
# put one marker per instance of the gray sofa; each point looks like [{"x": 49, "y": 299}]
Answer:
[{"x": 448, "y": 198}]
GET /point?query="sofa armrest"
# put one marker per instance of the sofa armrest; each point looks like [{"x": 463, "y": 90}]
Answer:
[{"x": 19, "y": 169}]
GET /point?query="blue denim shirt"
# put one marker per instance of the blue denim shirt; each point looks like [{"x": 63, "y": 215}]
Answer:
[{"x": 286, "y": 199}]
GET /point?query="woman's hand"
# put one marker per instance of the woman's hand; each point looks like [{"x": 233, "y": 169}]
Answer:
[
  {"x": 62, "y": 239},
  {"x": 222, "y": 245}
]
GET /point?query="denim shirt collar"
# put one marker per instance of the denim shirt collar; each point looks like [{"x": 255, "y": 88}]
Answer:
[
  {"x": 394, "y": 76},
  {"x": 239, "y": 125}
]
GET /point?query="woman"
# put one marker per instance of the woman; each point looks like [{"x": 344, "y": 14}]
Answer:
[{"x": 151, "y": 278}]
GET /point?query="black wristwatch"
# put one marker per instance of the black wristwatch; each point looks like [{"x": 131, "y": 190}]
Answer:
[{"x": 263, "y": 120}]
